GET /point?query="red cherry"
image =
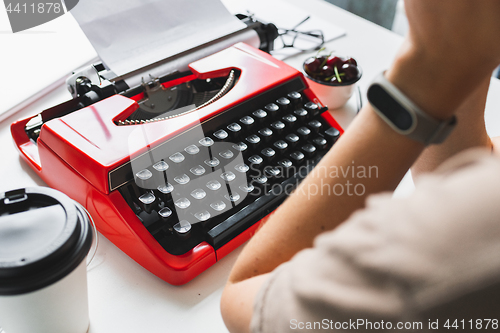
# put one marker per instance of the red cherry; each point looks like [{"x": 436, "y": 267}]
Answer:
[
  {"x": 327, "y": 71},
  {"x": 351, "y": 72},
  {"x": 334, "y": 61},
  {"x": 311, "y": 65},
  {"x": 351, "y": 61}
]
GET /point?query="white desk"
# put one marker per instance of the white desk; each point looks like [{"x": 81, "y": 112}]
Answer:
[{"x": 126, "y": 298}]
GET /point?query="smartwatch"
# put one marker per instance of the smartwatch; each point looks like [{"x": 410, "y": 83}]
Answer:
[{"x": 403, "y": 116}]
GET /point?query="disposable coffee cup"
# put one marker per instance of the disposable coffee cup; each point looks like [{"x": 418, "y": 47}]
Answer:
[{"x": 44, "y": 240}]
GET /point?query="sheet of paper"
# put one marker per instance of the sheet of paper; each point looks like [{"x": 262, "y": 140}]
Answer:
[{"x": 130, "y": 34}]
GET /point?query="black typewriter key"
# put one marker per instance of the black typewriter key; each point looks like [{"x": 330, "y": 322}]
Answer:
[
  {"x": 177, "y": 157},
  {"x": 202, "y": 216},
  {"x": 165, "y": 214},
  {"x": 253, "y": 141},
  {"x": 233, "y": 197},
  {"x": 315, "y": 125},
  {"x": 301, "y": 114},
  {"x": 197, "y": 170},
  {"x": 192, "y": 149},
  {"x": 256, "y": 161},
  {"x": 213, "y": 162},
  {"x": 206, "y": 142},
  {"x": 272, "y": 173},
  {"x": 320, "y": 142},
  {"x": 280, "y": 146},
  {"x": 260, "y": 180},
  {"x": 332, "y": 134},
  {"x": 144, "y": 178},
  {"x": 312, "y": 108},
  {"x": 290, "y": 120},
  {"x": 228, "y": 176},
  {"x": 165, "y": 191},
  {"x": 234, "y": 129},
  {"x": 182, "y": 203},
  {"x": 260, "y": 115},
  {"x": 247, "y": 122},
  {"x": 284, "y": 103},
  {"x": 226, "y": 154},
  {"x": 278, "y": 127},
  {"x": 147, "y": 201},
  {"x": 242, "y": 168},
  {"x": 218, "y": 206},
  {"x": 295, "y": 97},
  {"x": 240, "y": 146},
  {"x": 221, "y": 135},
  {"x": 198, "y": 194},
  {"x": 182, "y": 179},
  {"x": 272, "y": 109},
  {"x": 286, "y": 167},
  {"x": 292, "y": 139},
  {"x": 214, "y": 185},
  {"x": 266, "y": 134},
  {"x": 298, "y": 156},
  {"x": 303, "y": 132},
  {"x": 308, "y": 149},
  {"x": 268, "y": 154},
  {"x": 182, "y": 229}
]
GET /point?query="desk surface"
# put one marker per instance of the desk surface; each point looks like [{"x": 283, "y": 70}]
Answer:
[{"x": 126, "y": 298}]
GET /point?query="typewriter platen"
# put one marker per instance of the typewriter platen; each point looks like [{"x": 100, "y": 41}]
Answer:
[{"x": 180, "y": 171}]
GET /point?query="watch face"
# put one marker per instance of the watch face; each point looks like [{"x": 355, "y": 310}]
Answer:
[{"x": 389, "y": 107}]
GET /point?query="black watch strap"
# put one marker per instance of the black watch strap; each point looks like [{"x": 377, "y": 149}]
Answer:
[{"x": 404, "y": 116}]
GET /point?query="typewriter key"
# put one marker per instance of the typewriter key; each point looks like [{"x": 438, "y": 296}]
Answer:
[
  {"x": 228, "y": 176},
  {"x": 198, "y": 194},
  {"x": 247, "y": 188},
  {"x": 182, "y": 228},
  {"x": 240, "y": 146},
  {"x": 147, "y": 202},
  {"x": 278, "y": 127},
  {"x": 272, "y": 173},
  {"x": 272, "y": 109},
  {"x": 290, "y": 120},
  {"x": 218, "y": 206},
  {"x": 197, "y": 170},
  {"x": 266, "y": 134},
  {"x": 227, "y": 154},
  {"x": 284, "y": 103},
  {"x": 177, "y": 157},
  {"x": 303, "y": 132},
  {"x": 206, "y": 142},
  {"x": 297, "y": 156},
  {"x": 280, "y": 146},
  {"x": 295, "y": 97},
  {"x": 214, "y": 185},
  {"x": 321, "y": 143},
  {"x": 212, "y": 162},
  {"x": 313, "y": 108},
  {"x": 241, "y": 168},
  {"x": 221, "y": 135},
  {"x": 308, "y": 149},
  {"x": 301, "y": 114},
  {"x": 255, "y": 161},
  {"x": 253, "y": 140},
  {"x": 247, "y": 122},
  {"x": 292, "y": 139},
  {"x": 165, "y": 213},
  {"x": 315, "y": 125},
  {"x": 160, "y": 166},
  {"x": 332, "y": 134},
  {"x": 182, "y": 203},
  {"x": 143, "y": 178},
  {"x": 234, "y": 129},
  {"x": 202, "y": 216},
  {"x": 192, "y": 150},
  {"x": 286, "y": 167},
  {"x": 260, "y": 180},
  {"x": 260, "y": 115},
  {"x": 165, "y": 191},
  {"x": 268, "y": 154},
  {"x": 182, "y": 179},
  {"x": 232, "y": 197}
]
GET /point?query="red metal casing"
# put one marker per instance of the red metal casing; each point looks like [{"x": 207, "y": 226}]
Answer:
[{"x": 76, "y": 152}]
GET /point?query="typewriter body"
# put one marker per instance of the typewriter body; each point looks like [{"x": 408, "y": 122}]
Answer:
[{"x": 181, "y": 170}]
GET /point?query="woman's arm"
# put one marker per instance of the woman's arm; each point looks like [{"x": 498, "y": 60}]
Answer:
[{"x": 369, "y": 142}]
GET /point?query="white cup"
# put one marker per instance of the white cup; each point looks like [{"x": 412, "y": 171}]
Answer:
[{"x": 45, "y": 239}]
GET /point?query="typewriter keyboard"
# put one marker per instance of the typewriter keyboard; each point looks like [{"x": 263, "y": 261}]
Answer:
[{"x": 216, "y": 179}]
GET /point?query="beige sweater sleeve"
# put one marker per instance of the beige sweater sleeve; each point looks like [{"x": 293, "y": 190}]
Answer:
[{"x": 398, "y": 260}]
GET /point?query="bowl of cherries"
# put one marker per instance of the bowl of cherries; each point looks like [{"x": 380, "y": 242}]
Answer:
[{"x": 332, "y": 78}]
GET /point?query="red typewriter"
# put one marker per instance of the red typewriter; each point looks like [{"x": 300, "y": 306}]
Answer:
[{"x": 181, "y": 170}]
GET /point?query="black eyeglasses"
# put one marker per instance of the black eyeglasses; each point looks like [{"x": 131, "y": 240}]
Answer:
[{"x": 301, "y": 40}]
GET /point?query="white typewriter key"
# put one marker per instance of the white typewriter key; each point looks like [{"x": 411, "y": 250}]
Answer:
[
  {"x": 183, "y": 227},
  {"x": 213, "y": 185},
  {"x": 198, "y": 194},
  {"x": 240, "y": 146},
  {"x": 160, "y": 166},
  {"x": 165, "y": 213},
  {"x": 218, "y": 206},
  {"x": 177, "y": 158},
  {"x": 212, "y": 162},
  {"x": 165, "y": 189},
  {"x": 228, "y": 176},
  {"x": 182, "y": 179},
  {"x": 183, "y": 203},
  {"x": 197, "y": 170},
  {"x": 233, "y": 197},
  {"x": 192, "y": 150},
  {"x": 206, "y": 142},
  {"x": 203, "y": 215},
  {"x": 227, "y": 154},
  {"x": 242, "y": 168},
  {"x": 147, "y": 198},
  {"x": 144, "y": 174},
  {"x": 249, "y": 188}
]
